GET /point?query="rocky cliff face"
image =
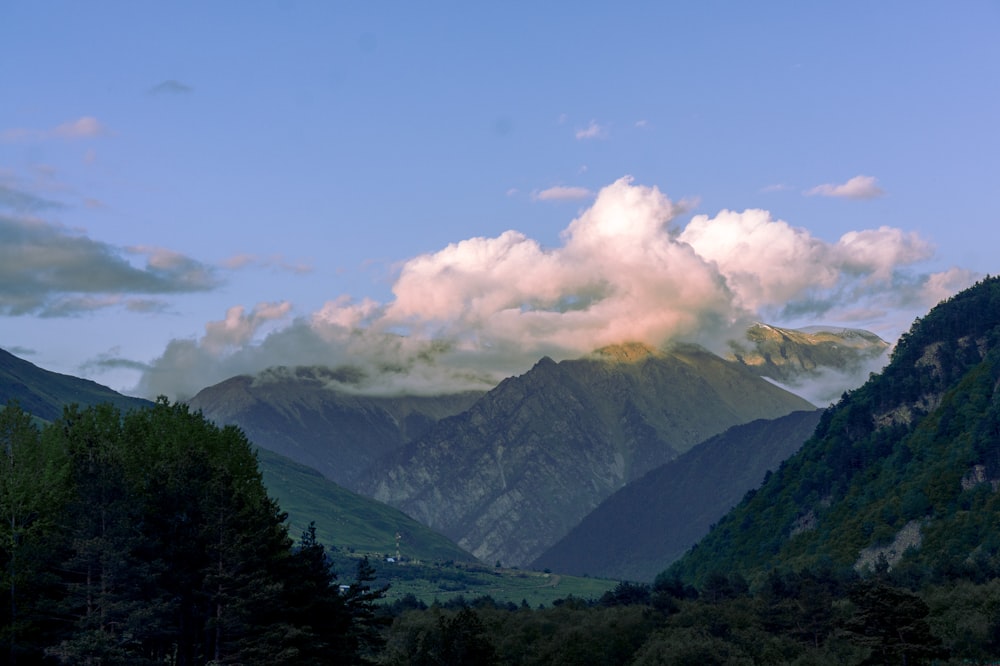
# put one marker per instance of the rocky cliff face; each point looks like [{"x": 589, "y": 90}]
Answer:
[
  {"x": 511, "y": 475},
  {"x": 301, "y": 413}
]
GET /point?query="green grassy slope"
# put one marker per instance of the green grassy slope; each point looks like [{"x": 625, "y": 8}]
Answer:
[{"x": 346, "y": 520}]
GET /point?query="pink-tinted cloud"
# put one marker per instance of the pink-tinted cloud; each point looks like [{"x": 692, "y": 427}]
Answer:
[
  {"x": 592, "y": 131},
  {"x": 484, "y": 308},
  {"x": 859, "y": 187},
  {"x": 84, "y": 127}
]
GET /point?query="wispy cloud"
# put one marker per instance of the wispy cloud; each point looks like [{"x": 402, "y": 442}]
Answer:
[
  {"x": 170, "y": 87},
  {"x": 592, "y": 131},
  {"x": 274, "y": 262},
  {"x": 112, "y": 360},
  {"x": 859, "y": 187},
  {"x": 81, "y": 128},
  {"x": 50, "y": 271},
  {"x": 777, "y": 187},
  {"x": 641, "y": 124},
  {"x": 562, "y": 193},
  {"x": 22, "y": 201}
]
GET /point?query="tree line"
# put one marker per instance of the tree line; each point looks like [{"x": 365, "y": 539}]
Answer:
[
  {"x": 148, "y": 537},
  {"x": 820, "y": 616}
]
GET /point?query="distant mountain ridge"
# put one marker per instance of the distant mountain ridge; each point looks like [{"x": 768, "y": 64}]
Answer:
[
  {"x": 644, "y": 527},
  {"x": 516, "y": 471},
  {"x": 302, "y": 414},
  {"x": 44, "y": 393}
]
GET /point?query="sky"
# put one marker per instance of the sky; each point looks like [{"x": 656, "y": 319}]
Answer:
[{"x": 438, "y": 194}]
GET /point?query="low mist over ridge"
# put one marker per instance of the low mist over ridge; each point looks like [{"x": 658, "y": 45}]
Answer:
[{"x": 815, "y": 362}]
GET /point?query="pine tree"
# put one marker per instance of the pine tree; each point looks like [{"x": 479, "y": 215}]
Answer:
[{"x": 32, "y": 488}]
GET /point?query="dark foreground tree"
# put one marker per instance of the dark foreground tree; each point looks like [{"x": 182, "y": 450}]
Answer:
[
  {"x": 149, "y": 538},
  {"x": 892, "y": 624}
]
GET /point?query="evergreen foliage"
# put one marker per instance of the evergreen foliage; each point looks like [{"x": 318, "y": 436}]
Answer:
[
  {"x": 149, "y": 538},
  {"x": 915, "y": 447}
]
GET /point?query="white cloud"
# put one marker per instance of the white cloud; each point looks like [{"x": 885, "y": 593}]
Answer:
[
  {"x": 859, "y": 187},
  {"x": 84, "y": 127},
  {"x": 485, "y": 308},
  {"x": 561, "y": 193},
  {"x": 878, "y": 252},
  {"x": 592, "y": 131},
  {"x": 239, "y": 326}
]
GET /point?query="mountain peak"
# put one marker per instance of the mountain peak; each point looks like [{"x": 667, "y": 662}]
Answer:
[{"x": 626, "y": 352}]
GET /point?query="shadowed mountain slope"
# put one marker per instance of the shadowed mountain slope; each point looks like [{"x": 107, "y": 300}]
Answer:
[
  {"x": 43, "y": 393},
  {"x": 645, "y": 526},
  {"x": 302, "y": 414},
  {"x": 514, "y": 473}
]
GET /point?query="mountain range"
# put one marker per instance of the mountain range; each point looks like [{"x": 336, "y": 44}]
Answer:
[
  {"x": 511, "y": 475},
  {"x": 507, "y": 473}
]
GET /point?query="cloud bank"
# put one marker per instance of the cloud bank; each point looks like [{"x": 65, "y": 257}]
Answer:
[{"x": 483, "y": 309}]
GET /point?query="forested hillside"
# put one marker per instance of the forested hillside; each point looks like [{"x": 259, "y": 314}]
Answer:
[
  {"x": 149, "y": 538},
  {"x": 902, "y": 473}
]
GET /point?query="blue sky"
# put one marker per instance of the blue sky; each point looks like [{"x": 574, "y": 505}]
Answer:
[{"x": 445, "y": 191}]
